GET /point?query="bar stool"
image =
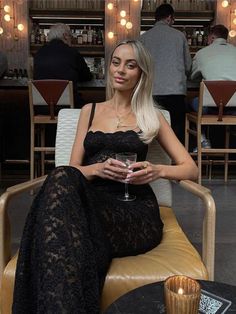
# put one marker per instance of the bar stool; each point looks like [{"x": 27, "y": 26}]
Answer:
[{"x": 49, "y": 95}]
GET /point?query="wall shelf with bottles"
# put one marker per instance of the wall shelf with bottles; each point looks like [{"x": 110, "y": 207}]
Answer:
[{"x": 87, "y": 28}]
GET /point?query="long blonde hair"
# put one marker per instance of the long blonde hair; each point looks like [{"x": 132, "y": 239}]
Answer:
[{"x": 142, "y": 102}]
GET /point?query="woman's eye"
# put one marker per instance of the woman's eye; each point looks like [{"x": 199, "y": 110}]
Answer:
[
  {"x": 131, "y": 66},
  {"x": 115, "y": 63}
]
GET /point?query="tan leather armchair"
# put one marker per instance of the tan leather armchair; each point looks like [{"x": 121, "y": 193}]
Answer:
[{"x": 175, "y": 254}]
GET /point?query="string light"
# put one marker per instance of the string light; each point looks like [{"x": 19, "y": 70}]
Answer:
[
  {"x": 110, "y": 6},
  {"x": 1, "y": 30},
  {"x": 20, "y": 27},
  {"x": 123, "y": 22},
  {"x": 129, "y": 25},
  {"x": 123, "y": 13},
  {"x": 225, "y": 3},
  {"x": 232, "y": 33},
  {"x": 110, "y": 35},
  {"x": 7, "y": 8},
  {"x": 7, "y": 17}
]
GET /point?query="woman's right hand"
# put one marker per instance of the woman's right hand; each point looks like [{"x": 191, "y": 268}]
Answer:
[{"x": 112, "y": 169}]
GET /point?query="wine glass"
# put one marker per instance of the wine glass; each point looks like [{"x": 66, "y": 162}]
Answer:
[{"x": 128, "y": 159}]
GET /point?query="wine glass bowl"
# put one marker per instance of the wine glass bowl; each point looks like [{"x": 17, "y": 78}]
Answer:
[{"x": 128, "y": 159}]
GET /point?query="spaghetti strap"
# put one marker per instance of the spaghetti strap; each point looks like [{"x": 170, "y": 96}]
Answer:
[{"x": 91, "y": 114}]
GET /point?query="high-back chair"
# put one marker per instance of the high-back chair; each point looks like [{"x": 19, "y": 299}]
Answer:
[
  {"x": 174, "y": 255},
  {"x": 52, "y": 94},
  {"x": 220, "y": 95}
]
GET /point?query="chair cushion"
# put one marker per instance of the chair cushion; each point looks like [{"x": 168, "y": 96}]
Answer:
[{"x": 174, "y": 255}]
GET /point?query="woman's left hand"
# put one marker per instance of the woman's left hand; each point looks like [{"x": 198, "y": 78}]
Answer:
[{"x": 147, "y": 173}]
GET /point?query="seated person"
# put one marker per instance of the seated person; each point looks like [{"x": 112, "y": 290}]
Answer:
[
  {"x": 3, "y": 64},
  {"x": 77, "y": 224},
  {"x": 57, "y": 60},
  {"x": 215, "y": 62}
]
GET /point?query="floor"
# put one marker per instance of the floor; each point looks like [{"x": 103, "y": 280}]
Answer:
[{"x": 188, "y": 210}]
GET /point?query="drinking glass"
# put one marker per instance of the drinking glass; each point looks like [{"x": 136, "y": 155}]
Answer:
[{"x": 128, "y": 159}]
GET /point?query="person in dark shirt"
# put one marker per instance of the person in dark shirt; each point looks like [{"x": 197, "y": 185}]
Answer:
[{"x": 57, "y": 60}]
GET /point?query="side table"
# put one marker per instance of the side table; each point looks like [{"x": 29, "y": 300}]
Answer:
[{"x": 149, "y": 299}]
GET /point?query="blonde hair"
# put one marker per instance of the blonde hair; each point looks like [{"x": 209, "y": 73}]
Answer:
[{"x": 142, "y": 102}]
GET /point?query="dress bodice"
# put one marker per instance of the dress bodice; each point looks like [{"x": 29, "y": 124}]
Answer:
[{"x": 99, "y": 146}]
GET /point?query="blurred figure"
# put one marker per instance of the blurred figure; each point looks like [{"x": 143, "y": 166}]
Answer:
[
  {"x": 170, "y": 53},
  {"x": 214, "y": 62},
  {"x": 57, "y": 60},
  {"x": 3, "y": 64}
]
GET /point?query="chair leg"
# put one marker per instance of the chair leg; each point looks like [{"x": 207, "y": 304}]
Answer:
[
  {"x": 227, "y": 130},
  {"x": 42, "y": 144},
  {"x": 32, "y": 144},
  {"x": 186, "y": 133},
  {"x": 199, "y": 155}
]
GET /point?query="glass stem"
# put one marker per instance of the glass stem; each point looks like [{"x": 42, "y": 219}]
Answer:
[{"x": 126, "y": 190}]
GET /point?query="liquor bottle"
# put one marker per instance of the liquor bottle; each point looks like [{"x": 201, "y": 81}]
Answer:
[
  {"x": 95, "y": 37},
  {"x": 194, "y": 37},
  {"x": 199, "y": 37},
  {"x": 189, "y": 38},
  {"x": 42, "y": 37},
  {"x": 90, "y": 35},
  {"x": 32, "y": 36},
  {"x": 99, "y": 37},
  {"x": 85, "y": 36},
  {"x": 80, "y": 38}
]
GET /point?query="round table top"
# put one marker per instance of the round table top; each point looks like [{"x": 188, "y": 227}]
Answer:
[{"x": 149, "y": 299}]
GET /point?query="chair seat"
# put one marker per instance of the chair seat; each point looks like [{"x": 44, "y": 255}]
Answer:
[
  {"x": 130, "y": 272},
  {"x": 212, "y": 119},
  {"x": 44, "y": 119}
]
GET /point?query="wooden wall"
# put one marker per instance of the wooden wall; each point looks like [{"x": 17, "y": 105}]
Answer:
[
  {"x": 16, "y": 50},
  {"x": 225, "y": 16}
]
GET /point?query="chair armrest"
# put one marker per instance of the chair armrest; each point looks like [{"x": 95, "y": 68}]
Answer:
[
  {"x": 209, "y": 221},
  {"x": 5, "y": 231}
]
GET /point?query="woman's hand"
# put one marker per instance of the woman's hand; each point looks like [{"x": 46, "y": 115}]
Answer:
[
  {"x": 147, "y": 172},
  {"x": 113, "y": 169}
]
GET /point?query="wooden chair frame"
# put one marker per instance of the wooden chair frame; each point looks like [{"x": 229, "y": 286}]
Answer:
[
  {"x": 194, "y": 121},
  {"x": 40, "y": 121}
]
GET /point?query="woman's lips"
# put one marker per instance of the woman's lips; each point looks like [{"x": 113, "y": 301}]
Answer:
[{"x": 119, "y": 79}]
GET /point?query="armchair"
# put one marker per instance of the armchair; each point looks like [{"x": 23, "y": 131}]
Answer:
[{"x": 175, "y": 254}]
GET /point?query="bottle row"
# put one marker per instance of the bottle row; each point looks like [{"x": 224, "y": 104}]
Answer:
[
  {"x": 85, "y": 36},
  {"x": 196, "y": 37},
  {"x": 16, "y": 74},
  {"x": 199, "y": 5},
  {"x": 67, "y": 4}
]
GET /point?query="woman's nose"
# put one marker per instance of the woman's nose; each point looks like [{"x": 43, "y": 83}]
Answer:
[{"x": 121, "y": 68}]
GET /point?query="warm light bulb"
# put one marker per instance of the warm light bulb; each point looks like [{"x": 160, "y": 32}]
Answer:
[
  {"x": 110, "y": 6},
  {"x": 129, "y": 25},
  {"x": 20, "y": 27},
  {"x": 135, "y": 0},
  {"x": 225, "y": 3},
  {"x": 7, "y": 17},
  {"x": 1, "y": 30},
  {"x": 110, "y": 35},
  {"x": 234, "y": 21},
  {"x": 7, "y": 8},
  {"x": 180, "y": 291},
  {"x": 123, "y": 22},
  {"x": 122, "y": 13},
  {"x": 232, "y": 33}
]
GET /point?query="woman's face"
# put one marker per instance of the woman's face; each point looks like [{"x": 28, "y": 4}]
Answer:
[{"x": 124, "y": 70}]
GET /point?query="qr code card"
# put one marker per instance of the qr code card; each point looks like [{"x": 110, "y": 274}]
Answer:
[{"x": 213, "y": 304}]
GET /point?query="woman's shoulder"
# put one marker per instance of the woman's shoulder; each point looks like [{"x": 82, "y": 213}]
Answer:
[{"x": 99, "y": 107}]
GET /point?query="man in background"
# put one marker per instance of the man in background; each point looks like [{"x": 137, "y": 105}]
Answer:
[
  {"x": 215, "y": 62},
  {"x": 170, "y": 52},
  {"x": 3, "y": 64},
  {"x": 58, "y": 60}
]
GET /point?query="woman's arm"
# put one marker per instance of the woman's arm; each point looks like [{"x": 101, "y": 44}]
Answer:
[{"x": 183, "y": 166}]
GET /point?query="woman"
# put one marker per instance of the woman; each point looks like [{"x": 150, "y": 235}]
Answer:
[{"x": 76, "y": 224}]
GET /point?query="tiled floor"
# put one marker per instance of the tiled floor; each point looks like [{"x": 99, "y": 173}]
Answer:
[{"x": 188, "y": 211}]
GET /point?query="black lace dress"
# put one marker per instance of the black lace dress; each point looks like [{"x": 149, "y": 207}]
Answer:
[{"x": 75, "y": 227}]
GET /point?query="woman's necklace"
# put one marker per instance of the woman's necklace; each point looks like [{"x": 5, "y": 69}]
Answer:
[{"x": 121, "y": 119}]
